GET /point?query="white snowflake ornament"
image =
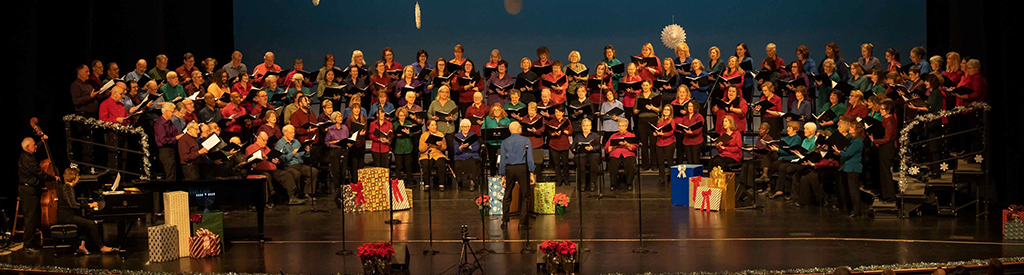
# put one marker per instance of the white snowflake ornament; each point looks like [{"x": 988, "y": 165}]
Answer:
[
  {"x": 978, "y": 158},
  {"x": 672, "y": 35},
  {"x": 914, "y": 170},
  {"x": 943, "y": 167}
]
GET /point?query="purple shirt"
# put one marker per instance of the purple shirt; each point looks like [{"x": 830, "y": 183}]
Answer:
[
  {"x": 335, "y": 133},
  {"x": 495, "y": 97},
  {"x": 401, "y": 84},
  {"x": 165, "y": 132}
]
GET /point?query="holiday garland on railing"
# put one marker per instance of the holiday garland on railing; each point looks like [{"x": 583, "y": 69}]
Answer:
[
  {"x": 905, "y": 136},
  {"x": 99, "y": 124}
]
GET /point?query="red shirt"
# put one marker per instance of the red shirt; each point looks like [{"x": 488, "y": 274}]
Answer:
[
  {"x": 740, "y": 119},
  {"x": 620, "y": 151},
  {"x": 697, "y": 136},
  {"x": 646, "y": 74},
  {"x": 859, "y": 110},
  {"x": 299, "y": 118},
  {"x": 669, "y": 136},
  {"x": 779, "y": 63},
  {"x": 954, "y": 76},
  {"x": 305, "y": 82},
  {"x": 242, "y": 90},
  {"x": 538, "y": 63},
  {"x": 557, "y": 95},
  {"x": 597, "y": 97},
  {"x": 188, "y": 150},
  {"x": 262, "y": 165},
  {"x": 559, "y": 142},
  {"x": 536, "y": 135},
  {"x": 262, "y": 70},
  {"x": 257, "y": 111},
  {"x": 978, "y": 84},
  {"x": 889, "y": 124},
  {"x": 385, "y": 80},
  {"x": 185, "y": 74},
  {"x": 477, "y": 111},
  {"x": 731, "y": 149},
  {"x": 236, "y": 111},
  {"x": 377, "y": 145},
  {"x": 464, "y": 95},
  {"x": 112, "y": 109},
  {"x": 739, "y": 92},
  {"x": 395, "y": 66},
  {"x": 778, "y": 106},
  {"x": 629, "y": 99}
]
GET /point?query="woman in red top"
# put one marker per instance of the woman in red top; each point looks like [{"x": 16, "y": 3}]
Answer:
[
  {"x": 621, "y": 153},
  {"x": 458, "y": 51},
  {"x": 666, "y": 142},
  {"x": 243, "y": 86},
  {"x": 771, "y": 115},
  {"x": 629, "y": 94},
  {"x": 693, "y": 139},
  {"x": 732, "y": 71},
  {"x": 545, "y": 102},
  {"x": 465, "y": 92},
  {"x": 856, "y": 107},
  {"x": 390, "y": 64},
  {"x": 557, "y": 91},
  {"x": 600, "y": 72},
  {"x": 953, "y": 71},
  {"x": 728, "y": 152},
  {"x": 380, "y": 80},
  {"x": 973, "y": 80},
  {"x": 476, "y": 113},
  {"x": 558, "y": 145},
  {"x": 380, "y": 147},
  {"x": 649, "y": 71},
  {"x": 738, "y": 111},
  {"x": 892, "y": 56},
  {"x": 358, "y": 150}
]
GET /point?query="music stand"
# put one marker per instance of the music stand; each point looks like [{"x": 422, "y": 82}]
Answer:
[{"x": 492, "y": 134}]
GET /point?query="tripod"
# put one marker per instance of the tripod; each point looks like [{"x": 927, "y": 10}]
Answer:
[
  {"x": 640, "y": 211},
  {"x": 465, "y": 267}
]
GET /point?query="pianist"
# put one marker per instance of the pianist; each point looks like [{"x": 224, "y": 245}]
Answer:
[{"x": 68, "y": 210}]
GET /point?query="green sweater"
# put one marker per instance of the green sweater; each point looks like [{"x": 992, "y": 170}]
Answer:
[
  {"x": 402, "y": 144},
  {"x": 840, "y": 110},
  {"x": 491, "y": 123}
]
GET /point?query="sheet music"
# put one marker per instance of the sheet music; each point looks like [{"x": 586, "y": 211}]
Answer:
[
  {"x": 213, "y": 140},
  {"x": 256, "y": 156},
  {"x": 113, "y": 189}
]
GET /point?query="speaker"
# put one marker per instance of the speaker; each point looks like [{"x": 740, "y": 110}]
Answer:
[{"x": 400, "y": 260}]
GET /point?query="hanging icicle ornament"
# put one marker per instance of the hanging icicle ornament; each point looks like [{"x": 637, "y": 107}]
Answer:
[
  {"x": 672, "y": 35},
  {"x": 418, "y": 24},
  {"x": 316, "y": 3}
]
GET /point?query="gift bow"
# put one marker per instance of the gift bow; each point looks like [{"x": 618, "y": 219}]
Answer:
[
  {"x": 203, "y": 232},
  {"x": 682, "y": 170},
  {"x": 706, "y": 205},
  {"x": 195, "y": 218},
  {"x": 696, "y": 183},
  {"x": 358, "y": 189},
  {"x": 399, "y": 196}
]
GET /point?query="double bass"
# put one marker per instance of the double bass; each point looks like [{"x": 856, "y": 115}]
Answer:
[{"x": 48, "y": 200}]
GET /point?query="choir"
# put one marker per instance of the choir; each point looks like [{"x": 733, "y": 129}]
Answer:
[{"x": 648, "y": 113}]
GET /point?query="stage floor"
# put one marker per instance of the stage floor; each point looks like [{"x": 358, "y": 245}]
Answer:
[{"x": 777, "y": 237}]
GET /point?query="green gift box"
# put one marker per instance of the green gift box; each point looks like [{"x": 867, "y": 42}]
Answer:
[
  {"x": 543, "y": 198},
  {"x": 213, "y": 221}
]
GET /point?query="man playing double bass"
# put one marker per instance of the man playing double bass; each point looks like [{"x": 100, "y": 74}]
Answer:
[{"x": 30, "y": 187}]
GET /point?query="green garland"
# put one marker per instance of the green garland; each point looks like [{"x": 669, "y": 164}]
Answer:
[
  {"x": 905, "y": 136},
  {"x": 103, "y": 125}
]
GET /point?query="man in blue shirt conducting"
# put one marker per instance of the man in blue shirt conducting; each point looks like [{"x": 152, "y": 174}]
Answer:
[{"x": 515, "y": 169}]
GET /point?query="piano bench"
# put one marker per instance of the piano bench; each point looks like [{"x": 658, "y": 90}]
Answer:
[{"x": 64, "y": 234}]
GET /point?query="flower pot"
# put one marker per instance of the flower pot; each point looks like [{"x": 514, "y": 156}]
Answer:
[
  {"x": 551, "y": 263},
  {"x": 559, "y": 210},
  {"x": 377, "y": 265},
  {"x": 568, "y": 264}
]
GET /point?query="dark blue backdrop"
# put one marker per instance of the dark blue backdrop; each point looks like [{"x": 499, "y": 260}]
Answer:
[{"x": 297, "y": 29}]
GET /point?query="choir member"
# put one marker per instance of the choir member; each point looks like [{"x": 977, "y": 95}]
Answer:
[
  {"x": 732, "y": 71},
  {"x": 760, "y": 162},
  {"x": 737, "y": 110},
  {"x": 858, "y": 80},
  {"x": 581, "y": 101},
  {"x": 699, "y": 93},
  {"x": 440, "y": 71},
  {"x": 558, "y": 92},
  {"x": 302, "y": 116},
  {"x": 527, "y": 92},
  {"x": 837, "y": 107},
  {"x": 159, "y": 72},
  {"x": 408, "y": 80},
  {"x": 867, "y": 58},
  {"x": 601, "y": 72},
  {"x": 458, "y": 51},
  {"x": 876, "y": 84},
  {"x": 290, "y": 109},
  {"x": 297, "y": 69},
  {"x": 113, "y": 111},
  {"x": 113, "y": 72},
  {"x": 270, "y": 127},
  {"x": 743, "y": 56},
  {"x": 918, "y": 56},
  {"x": 514, "y": 172},
  {"x": 380, "y": 80},
  {"x": 811, "y": 183},
  {"x": 402, "y": 143},
  {"x": 492, "y": 63},
  {"x": 610, "y": 61},
  {"x": 293, "y": 158},
  {"x": 936, "y": 62},
  {"x": 832, "y": 53},
  {"x": 784, "y": 158},
  {"x": 666, "y": 142},
  {"x": 477, "y": 112},
  {"x": 356, "y": 153},
  {"x": 668, "y": 74},
  {"x": 874, "y": 104},
  {"x": 768, "y": 64},
  {"x": 851, "y": 166},
  {"x": 802, "y": 106},
  {"x": 172, "y": 91},
  {"x": 803, "y": 54},
  {"x": 336, "y": 139},
  {"x": 359, "y": 63},
  {"x": 410, "y": 105},
  {"x": 242, "y": 86},
  {"x": 514, "y": 104},
  {"x": 892, "y": 56},
  {"x": 380, "y": 103},
  {"x": 328, "y": 80},
  {"x": 474, "y": 85},
  {"x": 467, "y": 157},
  {"x": 68, "y": 208},
  {"x": 683, "y": 56},
  {"x": 329, "y": 66},
  {"x": 535, "y": 134},
  {"x": 609, "y": 122},
  {"x": 187, "y": 67},
  {"x": 856, "y": 108},
  {"x": 973, "y": 80},
  {"x": 235, "y": 68},
  {"x": 952, "y": 70},
  {"x": 190, "y": 153},
  {"x": 824, "y": 88},
  {"x": 887, "y": 151},
  {"x": 575, "y": 66},
  {"x": 499, "y": 78},
  {"x": 545, "y": 102},
  {"x": 789, "y": 170},
  {"x": 558, "y": 145},
  {"x": 621, "y": 153},
  {"x": 496, "y": 118},
  {"x": 234, "y": 111},
  {"x": 715, "y": 65},
  {"x": 262, "y": 69},
  {"x": 381, "y": 133},
  {"x": 728, "y": 152},
  {"x": 353, "y": 83},
  {"x": 270, "y": 85},
  {"x": 934, "y": 129},
  {"x": 587, "y": 167},
  {"x": 648, "y": 71},
  {"x": 219, "y": 87},
  {"x": 542, "y": 57},
  {"x": 136, "y": 75},
  {"x": 646, "y": 115},
  {"x": 297, "y": 85},
  {"x": 326, "y": 108},
  {"x": 771, "y": 115},
  {"x": 432, "y": 158},
  {"x": 268, "y": 168},
  {"x": 774, "y": 61},
  {"x": 390, "y": 65},
  {"x": 445, "y": 124},
  {"x": 682, "y": 99},
  {"x": 629, "y": 94}
]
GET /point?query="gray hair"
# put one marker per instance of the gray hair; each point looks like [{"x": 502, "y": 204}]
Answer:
[{"x": 26, "y": 142}]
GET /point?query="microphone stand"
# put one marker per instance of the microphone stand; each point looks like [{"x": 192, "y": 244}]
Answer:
[
  {"x": 343, "y": 251},
  {"x": 391, "y": 207},
  {"x": 430, "y": 213},
  {"x": 579, "y": 192},
  {"x": 639, "y": 212},
  {"x": 600, "y": 181},
  {"x": 526, "y": 248},
  {"x": 483, "y": 216},
  {"x": 312, "y": 199}
]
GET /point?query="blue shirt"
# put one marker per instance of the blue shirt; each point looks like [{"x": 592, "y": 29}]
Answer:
[
  {"x": 791, "y": 141},
  {"x": 851, "y": 157},
  {"x": 925, "y": 68},
  {"x": 134, "y": 76},
  {"x": 700, "y": 95},
  {"x": 471, "y": 152},
  {"x": 810, "y": 67},
  {"x": 515, "y": 150},
  {"x": 607, "y": 124},
  {"x": 286, "y": 148},
  {"x": 388, "y": 108},
  {"x": 416, "y": 68},
  {"x": 348, "y": 112}
]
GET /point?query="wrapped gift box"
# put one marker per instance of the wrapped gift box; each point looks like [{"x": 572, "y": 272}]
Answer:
[
  {"x": 204, "y": 244},
  {"x": 497, "y": 193},
  {"x": 681, "y": 175},
  {"x": 176, "y": 213},
  {"x": 400, "y": 200},
  {"x": 543, "y": 198},
  {"x": 375, "y": 182},
  {"x": 352, "y": 205},
  {"x": 693, "y": 183},
  {"x": 708, "y": 198},
  {"x": 1013, "y": 230},
  {"x": 212, "y": 221},
  {"x": 163, "y": 243}
]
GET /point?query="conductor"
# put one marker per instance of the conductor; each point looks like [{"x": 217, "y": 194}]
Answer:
[{"x": 516, "y": 167}]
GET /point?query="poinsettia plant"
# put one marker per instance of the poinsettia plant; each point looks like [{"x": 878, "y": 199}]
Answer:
[
  {"x": 482, "y": 200},
  {"x": 370, "y": 250},
  {"x": 561, "y": 199},
  {"x": 558, "y": 247}
]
